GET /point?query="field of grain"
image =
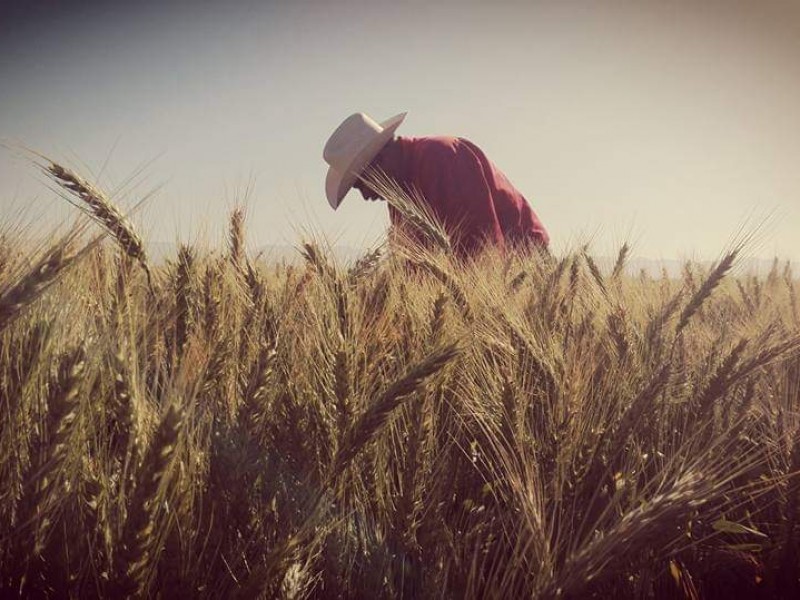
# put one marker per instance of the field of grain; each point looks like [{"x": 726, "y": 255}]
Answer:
[{"x": 407, "y": 426}]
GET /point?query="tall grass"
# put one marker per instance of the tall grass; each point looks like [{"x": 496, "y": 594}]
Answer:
[{"x": 411, "y": 426}]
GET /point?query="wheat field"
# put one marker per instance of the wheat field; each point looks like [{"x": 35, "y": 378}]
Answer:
[{"x": 406, "y": 426}]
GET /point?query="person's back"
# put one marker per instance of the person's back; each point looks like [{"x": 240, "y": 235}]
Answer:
[{"x": 473, "y": 199}]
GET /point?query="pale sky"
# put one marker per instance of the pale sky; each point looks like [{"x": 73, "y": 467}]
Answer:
[{"x": 665, "y": 123}]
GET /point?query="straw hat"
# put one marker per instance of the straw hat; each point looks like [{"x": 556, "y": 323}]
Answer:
[{"x": 351, "y": 148}]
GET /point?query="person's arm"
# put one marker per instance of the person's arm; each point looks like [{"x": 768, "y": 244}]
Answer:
[{"x": 532, "y": 230}]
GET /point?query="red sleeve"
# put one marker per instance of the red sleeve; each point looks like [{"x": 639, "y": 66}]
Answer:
[{"x": 469, "y": 201}]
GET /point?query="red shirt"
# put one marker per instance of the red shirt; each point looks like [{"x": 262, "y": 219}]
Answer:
[{"x": 470, "y": 196}]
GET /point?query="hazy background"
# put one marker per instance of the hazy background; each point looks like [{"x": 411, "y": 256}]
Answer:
[{"x": 666, "y": 123}]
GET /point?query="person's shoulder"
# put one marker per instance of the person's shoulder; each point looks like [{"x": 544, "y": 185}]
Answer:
[
  {"x": 438, "y": 146},
  {"x": 455, "y": 145}
]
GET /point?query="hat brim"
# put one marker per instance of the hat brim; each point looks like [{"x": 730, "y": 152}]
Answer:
[{"x": 337, "y": 184}]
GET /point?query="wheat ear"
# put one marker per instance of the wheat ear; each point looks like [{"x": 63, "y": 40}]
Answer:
[
  {"x": 236, "y": 239},
  {"x": 369, "y": 423},
  {"x": 316, "y": 260},
  {"x": 365, "y": 266},
  {"x": 62, "y": 405},
  {"x": 97, "y": 205},
  {"x": 708, "y": 286},
  {"x": 264, "y": 579},
  {"x": 719, "y": 382},
  {"x": 132, "y": 560},
  {"x": 635, "y": 531},
  {"x": 183, "y": 292},
  {"x": 449, "y": 282},
  {"x": 413, "y": 207},
  {"x": 619, "y": 265},
  {"x": 517, "y": 281},
  {"x": 47, "y": 270},
  {"x": 438, "y": 317},
  {"x": 341, "y": 389}
]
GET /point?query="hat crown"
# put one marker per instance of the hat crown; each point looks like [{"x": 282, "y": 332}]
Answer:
[{"x": 349, "y": 139}]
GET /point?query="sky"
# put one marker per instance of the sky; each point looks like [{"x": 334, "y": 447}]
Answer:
[{"x": 666, "y": 124}]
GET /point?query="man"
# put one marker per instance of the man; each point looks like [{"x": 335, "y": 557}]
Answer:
[{"x": 471, "y": 198}]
